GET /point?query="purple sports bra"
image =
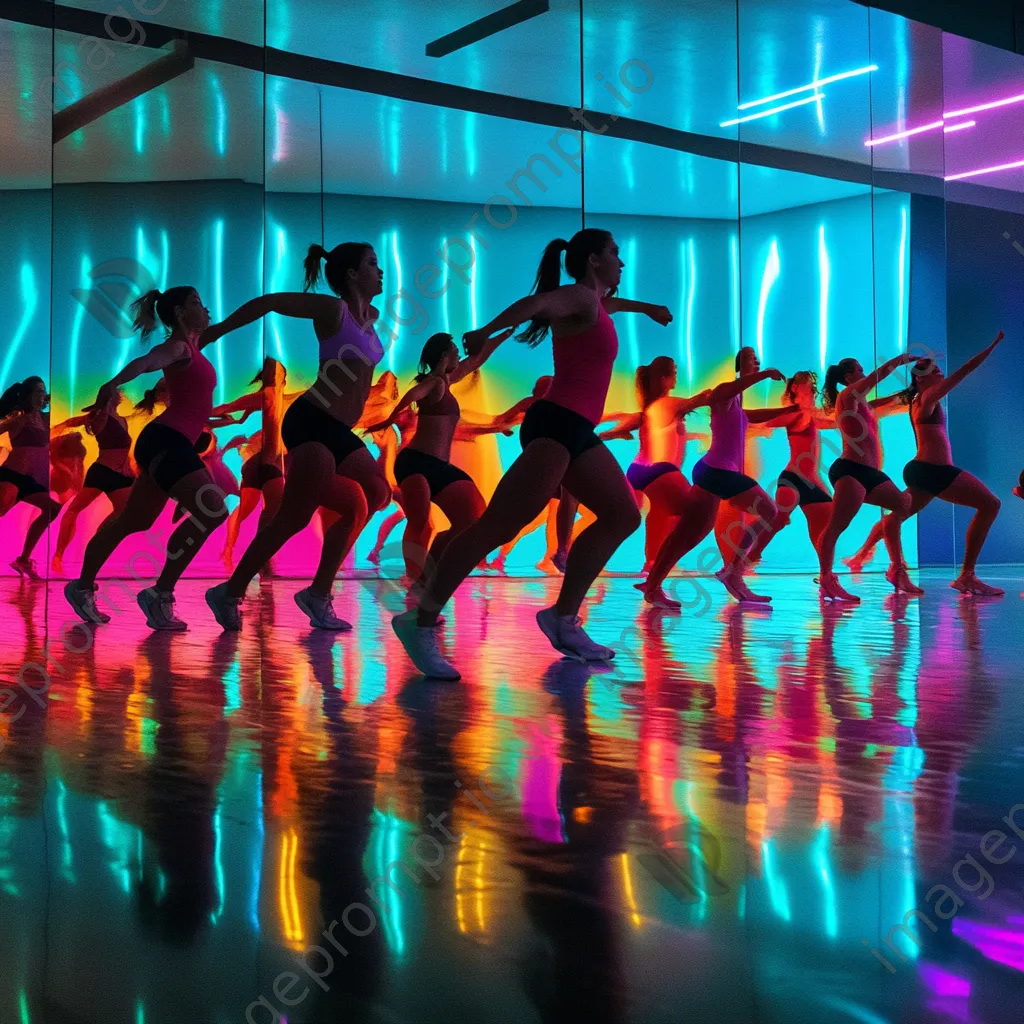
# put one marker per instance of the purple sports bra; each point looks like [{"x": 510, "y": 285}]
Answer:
[
  {"x": 351, "y": 341},
  {"x": 728, "y": 435}
]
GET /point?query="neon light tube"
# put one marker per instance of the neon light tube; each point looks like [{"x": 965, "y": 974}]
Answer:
[
  {"x": 985, "y": 170},
  {"x": 1009, "y": 101},
  {"x": 824, "y": 285},
  {"x": 813, "y": 85},
  {"x": 959, "y": 127},
  {"x": 905, "y": 135},
  {"x": 768, "y": 113}
]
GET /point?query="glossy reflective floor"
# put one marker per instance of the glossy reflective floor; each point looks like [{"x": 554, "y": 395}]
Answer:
[{"x": 718, "y": 830}]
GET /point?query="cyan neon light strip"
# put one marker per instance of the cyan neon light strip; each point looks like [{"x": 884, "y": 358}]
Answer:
[
  {"x": 691, "y": 297},
  {"x": 634, "y": 344},
  {"x": 76, "y": 334},
  {"x": 769, "y": 113},
  {"x": 772, "y": 269},
  {"x": 29, "y": 302},
  {"x": 734, "y": 291},
  {"x": 825, "y": 281},
  {"x": 218, "y": 298},
  {"x": 444, "y": 296},
  {"x": 398, "y": 281},
  {"x": 902, "y": 283},
  {"x": 815, "y": 85}
]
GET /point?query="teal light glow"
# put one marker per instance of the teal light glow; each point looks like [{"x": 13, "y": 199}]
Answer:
[
  {"x": 76, "y": 335},
  {"x": 282, "y": 256},
  {"x": 470, "y": 144},
  {"x": 819, "y": 30},
  {"x": 473, "y": 272},
  {"x": 901, "y": 288},
  {"x": 444, "y": 295},
  {"x": 29, "y": 302},
  {"x": 165, "y": 258},
  {"x": 691, "y": 298},
  {"x": 140, "y": 1012},
  {"x": 232, "y": 688},
  {"x": 218, "y": 863},
  {"x": 257, "y": 857},
  {"x": 819, "y": 854},
  {"x": 116, "y": 838},
  {"x": 734, "y": 291},
  {"x": 443, "y": 130},
  {"x": 627, "y": 160},
  {"x": 631, "y": 323},
  {"x": 66, "y": 854},
  {"x": 143, "y": 256},
  {"x": 777, "y": 894},
  {"x": 139, "y": 112},
  {"x": 772, "y": 269},
  {"x": 395, "y": 137},
  {"x": 165, "y": 114},
  {"x": 824, "y": 284},
  {"x": 392, "y": 350},
  {"x": 23, "y": 1007},
  {"x": 221, "y": 115},
  {"x": 218, "y": 297},
  {"x": 387, "y": 851}
]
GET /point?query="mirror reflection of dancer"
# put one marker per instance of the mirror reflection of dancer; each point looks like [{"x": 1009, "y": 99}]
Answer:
[
  {"x": 559, "y": 446},
  {"x": 423, "y": 471},
  {"x": 110, "y": 475},
  {"x": 718, "y": 477},
  {"x": 931, "y": 474},
  {"x": 800, "y": 484},
  {"x": 657, "y": 471},
  {"x": 165, "y": 452},
  {"x": 25, "y": 475},
  {"x": 328, "y": 465},
  {"x": 389, "y": 445},
  {"x": 856, "y": 476}
]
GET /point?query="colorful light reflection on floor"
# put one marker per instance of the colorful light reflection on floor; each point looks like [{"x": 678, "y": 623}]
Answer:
[{"x": 718, "y": 830}]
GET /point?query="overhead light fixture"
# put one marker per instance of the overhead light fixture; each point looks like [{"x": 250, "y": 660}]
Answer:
[
  {"x": 773, "y": 110},
  {"x": 507, "y": 17},
  {"x": 815, "y": 85},
  {"x": 985, "y": 170},
  {"x": 1009, "y": 101},
  {"x": 905, "y": 134},
  {"x": 959, "y": 127}
]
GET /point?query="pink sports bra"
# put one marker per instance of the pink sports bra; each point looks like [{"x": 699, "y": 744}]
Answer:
[
  {"x": 583, "y": 368},
  {"x": 351, "y": 340},
  {"x": 189, "y": 394},
  {"x": 447, "y": 405}
]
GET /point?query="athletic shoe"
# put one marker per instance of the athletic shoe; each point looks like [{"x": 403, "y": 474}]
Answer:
[
  {"x": 158, "y": 606},
  {"x": 568, "y": 637},
  {"x": 558, "y": 560},
  {"x": 224, "y": 607},
  {"x": 83, "y": 600},
  {"x": 25, "y": 567},
  {"x": 320, "y": 611},
  {"x": 420, "y": 643}
]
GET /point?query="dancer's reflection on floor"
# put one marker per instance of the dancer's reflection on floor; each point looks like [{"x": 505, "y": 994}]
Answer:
[
  {"x": 179, "y": 898},
  {"x": 572, "y": 893}
]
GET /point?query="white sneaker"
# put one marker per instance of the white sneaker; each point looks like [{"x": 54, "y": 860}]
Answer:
[
  {"x": 320, "y": 611},
  {"x": 568, "y": 637},
  {"x": 83, "y": 600},
  {"x": 420, "y": 643},
  {"x": 158, "y": 606},
  {"x": 224, "y": 607}
]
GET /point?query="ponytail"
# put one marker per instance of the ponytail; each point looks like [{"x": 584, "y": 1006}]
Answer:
[
  {"x": 549, "y": 277},
  {"x": 143, "y": 311},
  {"x": 650, "y": 378},
  {"x": 836, "y": 375},
  {"x": 16, "y": 396},
  {"x": 311, "y": 266},
  {"x": 157, "y": 307},
  {"x": 433, "y": 351},
  {"x": 643, "y": 385}
]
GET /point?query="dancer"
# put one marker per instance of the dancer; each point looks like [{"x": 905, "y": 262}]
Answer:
[
  {"x": 931, "y": 474},
  {"x": 25, "y": 475},
  {"x": 110, "y": 475},
  {"x": 67, "y": 465},
  {"x": 657, "y": 470},
  {"x": 559, "y": 446},
  {"x": 856, "y": 476},
  {"x": 719, "y": 477},
  {"x": 422, "y": 468},
  {"x": 165, "y": 452},
  {"x": 328, "y": 465},
  {"x": 389, "y": 444}
]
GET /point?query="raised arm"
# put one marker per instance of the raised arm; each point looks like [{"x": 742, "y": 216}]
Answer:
[
  {"x": 415, "y": 394},
  {"x": 865, "y": 384},
  {"x": 473, "y": 362},
  {"x": 659, "y": 314},
  {"x": 730, "y": 389},
  {"x": 558, "y": 304},
  {"x": 302, "y": 305},
  {"x": 933, "y": 395}
]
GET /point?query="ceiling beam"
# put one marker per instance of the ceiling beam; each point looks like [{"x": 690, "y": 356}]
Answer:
[{"x": 490, "y": 25}]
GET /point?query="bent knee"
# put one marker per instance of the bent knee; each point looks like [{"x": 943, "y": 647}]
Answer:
[
  {"x": 378, "y": 494},
  {"x": 991, "y": 506},
  {"x": 626, "y": 519}
]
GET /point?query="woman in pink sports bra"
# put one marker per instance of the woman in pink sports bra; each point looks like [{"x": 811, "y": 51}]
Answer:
[
  {"x": 560, "y": 446},
  {"x": 328, "y": 465},
  {"x": 165, "y": 453},
  {"x": 25, "y": 476}
]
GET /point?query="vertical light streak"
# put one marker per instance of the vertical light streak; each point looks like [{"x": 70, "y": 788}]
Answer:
[
  {"x": 165, "y": 258},
  {"x": 772, "y": 269},
  {"x": 902, "y": 283},
  {"x": 29, "y": 302},
  {"x": 627, "y": 882},
  {"x": 634, "y": 344},
  {"x": 734, "y": 291},
  {"x": 392, "y": 350},
  {"x": 824, "y": 284},
  {"x": 776, "y": 886},
  {"x": 444, "y": 295},
  {"x": 470, "y": 143},
  {"x": 218, "y": 298},
  {"x": 76, "y": 336},
  {"x": 821, "y": 862},
  {"x": 691, "y": 298},
  {"x": 472, "y": 285}
]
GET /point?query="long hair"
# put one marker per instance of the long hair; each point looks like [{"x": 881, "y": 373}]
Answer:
[
  {"x": 798, "y": 378},
  {"x": 339, "y": 261},
  {"x": 433, "y": 351},
  {"x": 836, "y": 375},
  {"x": 911, "y": 391},
  {"x": 578, "y": 250},
  {"x": 158, "y": 307},
  {"x": 648, "y": 375},
  {"x": 17, "y": 395}
]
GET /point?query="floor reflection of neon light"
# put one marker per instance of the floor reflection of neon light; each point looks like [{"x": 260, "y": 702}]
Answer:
[
  {"x": 985, "y": 170},
  {"x": 825, "y": 282},
  {"x": 290, "y": 918},
  {"x": 824, "y": 870},
  {"x": 901, "y": 295},
  {"x": 23, "y": 1007},
  {"x": 769, "y": 113},
  {"x": 815, "y": 85},
  {"x": 627, "y": 882},
  {"x": 777, "y": 894},
  {"x": 992, "y": 105},
  {"x": 772, "y": 269}
]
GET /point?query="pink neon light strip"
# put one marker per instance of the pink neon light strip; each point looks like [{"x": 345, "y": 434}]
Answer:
[
  {"x": 905, "y": 135},
  {"x": 1009, "y": 101},
  {"x": 985, "y": 170},
  {"x": 959, "y": 127}
]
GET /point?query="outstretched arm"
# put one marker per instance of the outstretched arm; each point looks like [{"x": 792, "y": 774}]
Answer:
[
  {"x": 766, "y": 416},
  {"x": 865, "y": 384},
  {"x": 557, "y": 304},
  {"x": 659, "y": 314},
  {"x": 684, "y": 406},
  {"x": 930, "y": 398},
  {"x": 246, "y": 404},
  {"x": 472, "y": 363},
  {"x": 729, "y": 390},
  {"x": 415, "y": 394},
  {"x": 157, "y": 358},
  {"x": 303, "y": 305},
  {"x": 623, "y": 430},
  {"x": 74, "y": 421}
]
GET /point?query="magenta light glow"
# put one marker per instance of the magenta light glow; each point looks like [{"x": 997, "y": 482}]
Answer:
[
  {"x": 905, "y": 134},
  {"x": 959, "y": 127},
  {"x": 1000, "y": 945},
  {"x": 944, "y": 984},
  {"x": 985, "y": 170},
  {"x": 1009, "y": 101}
]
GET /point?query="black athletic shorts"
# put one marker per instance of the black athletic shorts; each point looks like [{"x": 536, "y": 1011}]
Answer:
[
  {"x": 304, "y": 422},
  {"x": 928, "y": 477},
  {"x": 176, "y": 453},
  {"x": 439, "y": 474},
  {"x": 103, "y": 478},
  {"x": 256, "y": 473},
  {"x": 26, "y": 485},
  {"x": 641, "y": 477},
  {"x": 809, "y": 494},
  {"x": 572, "y": 431},
  {"x": 723, "y": 483},
  {"x": 868, "y": 477}
]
